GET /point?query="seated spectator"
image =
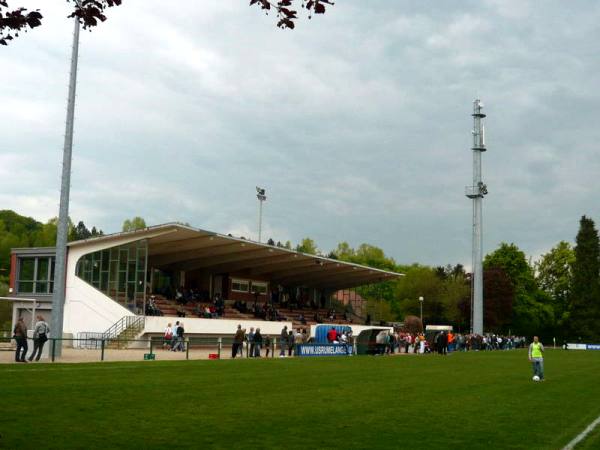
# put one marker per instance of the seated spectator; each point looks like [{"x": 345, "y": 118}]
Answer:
[
  {"x": 180, "y": 311},
  {"x": 302, "y": 319},
  {"x": 207, "y": 314},
  {"x": 256, "y": 294},
  {"x": 219, "y": 304},
  {"x": 344, "y": 338},
  {"x": 179, "y": 296},
  {"x": 331, "y": 315},
  {"x": 317, "y": 317}
]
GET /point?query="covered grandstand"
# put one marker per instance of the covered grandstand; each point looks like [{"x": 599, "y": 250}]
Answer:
[{"x": 120, "y": 275}]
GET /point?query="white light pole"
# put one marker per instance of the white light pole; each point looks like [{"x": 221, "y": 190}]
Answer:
[
  {"x": 421, "y": 299},
  {"x": 260, "y": 195},
  {"x": 62, "y": 228}
]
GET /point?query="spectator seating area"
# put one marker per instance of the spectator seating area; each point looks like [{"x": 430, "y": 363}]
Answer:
[{"x": 235, "y": 310}]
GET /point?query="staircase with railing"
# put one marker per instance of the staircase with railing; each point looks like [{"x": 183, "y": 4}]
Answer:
[
  {"x": 125, "y": 329},
  {"x": 117, "y": 336}
]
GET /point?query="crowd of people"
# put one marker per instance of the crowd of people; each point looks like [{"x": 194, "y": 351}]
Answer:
[
  {"x": 444, "y": 342},
  {"x": 272, "y": 306},
  {"x": 254, "y": 342},
  {"x": 266, "y": 311},
  {"x": 204, "y": 308}
]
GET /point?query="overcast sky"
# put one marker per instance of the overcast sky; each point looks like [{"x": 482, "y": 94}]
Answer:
[{"x": 357, "y": 122}]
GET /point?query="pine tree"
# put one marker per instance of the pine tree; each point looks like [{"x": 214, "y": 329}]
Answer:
[{"x": 585, "y": 292}]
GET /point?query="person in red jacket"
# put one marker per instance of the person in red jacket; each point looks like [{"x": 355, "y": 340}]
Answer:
[{"x": 332, "y": 335}]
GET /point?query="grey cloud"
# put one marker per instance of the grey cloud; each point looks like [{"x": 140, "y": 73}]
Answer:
[{"x": 357, "y": 123}]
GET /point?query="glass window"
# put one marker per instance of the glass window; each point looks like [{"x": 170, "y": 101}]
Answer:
[
  {"x": 41, "y": 287},
  {"x": 25, "y": 286},
  {"x": 240, "y": 285},
  {"x": 118, "y": 272},
  {"x": 260, "y": 287},
  {"x": 42, "y": 270},
  {"x": 36, "y": 275},
  {"x": 26, "y": 269},
  {"x": 105, "y": 260}
]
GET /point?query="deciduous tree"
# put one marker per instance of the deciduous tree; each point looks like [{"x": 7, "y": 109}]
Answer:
[
  {"x": 554, "y": 274},
  {"x": 499, "y": 295},
  {"x": 137, "y": 223},
  {"x": 532, "y": 310},
  {"x": 307, "y": 245}
]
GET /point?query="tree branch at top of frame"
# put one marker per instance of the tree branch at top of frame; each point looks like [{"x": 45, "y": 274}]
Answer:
[
  {"x": 90, "y": 13},
  {"x": 285, "y": 12}
]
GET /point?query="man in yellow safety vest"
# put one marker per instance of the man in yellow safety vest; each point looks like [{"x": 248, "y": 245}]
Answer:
[{"x": 536, "y": 356}]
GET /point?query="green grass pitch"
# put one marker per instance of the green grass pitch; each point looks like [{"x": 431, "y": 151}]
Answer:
[{"x": 462, "y": 401}]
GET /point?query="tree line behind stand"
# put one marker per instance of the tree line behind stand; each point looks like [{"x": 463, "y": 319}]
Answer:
[{"x": 557, "y": 296}]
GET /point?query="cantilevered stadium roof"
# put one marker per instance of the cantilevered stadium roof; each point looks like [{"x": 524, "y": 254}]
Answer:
[{"x": 181, "y": 247}]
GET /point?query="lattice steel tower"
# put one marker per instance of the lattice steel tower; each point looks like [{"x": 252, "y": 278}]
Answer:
[{"x": 476, "y": 192}]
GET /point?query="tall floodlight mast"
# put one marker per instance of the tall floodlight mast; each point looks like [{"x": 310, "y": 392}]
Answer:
[
  {"x": 62, "y": 227},
  {"x": 260, "y": 195},
  {"x": 476, "y": 192}
]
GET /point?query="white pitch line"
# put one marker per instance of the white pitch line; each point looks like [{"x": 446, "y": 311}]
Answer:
[{"x": 581, "y": 436}]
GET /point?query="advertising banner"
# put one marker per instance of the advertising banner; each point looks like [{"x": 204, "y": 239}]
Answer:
[
  {"x": 571, "y": 346},
  {"x": 324, "y": 350}
]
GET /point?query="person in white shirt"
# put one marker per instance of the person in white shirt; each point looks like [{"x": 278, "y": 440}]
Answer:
[
  {"x": 40, "y": 336},
  {"x": 168, "y": 336}
]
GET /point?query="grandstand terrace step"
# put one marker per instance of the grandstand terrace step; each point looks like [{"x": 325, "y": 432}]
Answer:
[{"x": 169, "y": 308}]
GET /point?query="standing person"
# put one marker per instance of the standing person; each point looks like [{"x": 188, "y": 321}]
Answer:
[
  {"x": 179, "y": 338},
  {"x": 451, "y": 339},
  {"x": 244, "y": 339},
  {"x": 332, "y": 335},
  {"x": 536, "y": 357},
  {"x": 257, "y": 343},
  {"x": 174, "y": 335},
  {"x": 267, "y": 344},
  {"x": 40, "y": 336},
  {"x": 238, "y": 340},
  {"x": 290, "y": 342},
  {"x": 167, "y": 337},
  {"x": 407, "y": 342},
  {"x": 251, "y": 342},
  {"x": 441, "y": 343},
  {"x": 20, "y": 335},
  {"x": 298, "y": 337},
  {"x": 283, "y": 341},
  {"x": 421, "y": 344}
]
